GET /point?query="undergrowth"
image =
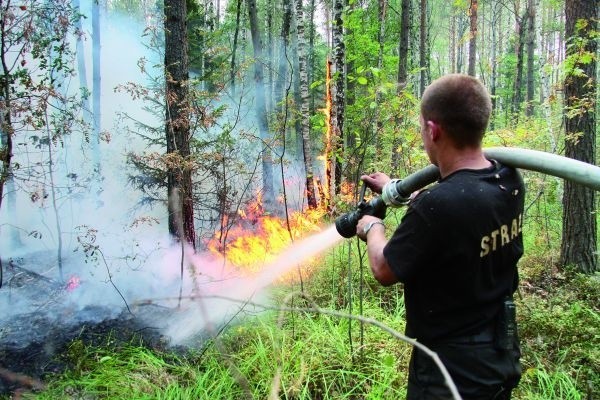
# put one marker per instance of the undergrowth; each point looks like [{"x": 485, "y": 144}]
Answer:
[{"x": 308, "y": 355}]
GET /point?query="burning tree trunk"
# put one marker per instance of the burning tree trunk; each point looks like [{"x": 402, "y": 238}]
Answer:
[
  {"x": 304, "y": 117},
  {"x": 329, "y": 139},
  {"x": 177, "y": 128},
  {"x": 261, "y": 109},
  {"x": 579, "y": 237}
]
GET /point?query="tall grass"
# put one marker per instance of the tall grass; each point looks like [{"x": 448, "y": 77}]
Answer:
[{"x": 300, "y": 355}]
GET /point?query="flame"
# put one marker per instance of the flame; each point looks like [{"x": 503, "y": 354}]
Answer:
[
  {"x": 256, "y": 238},
  {"x": 327, "y": 157},
  {"x": 73, "y": 283}
]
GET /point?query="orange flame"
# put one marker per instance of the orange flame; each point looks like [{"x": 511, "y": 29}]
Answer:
[
  {"x": 256, "y": 239},
  {"x": 327, "y": 111}
]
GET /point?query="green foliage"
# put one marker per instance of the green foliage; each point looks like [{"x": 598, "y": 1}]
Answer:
[{"x": 306, "y": 355}]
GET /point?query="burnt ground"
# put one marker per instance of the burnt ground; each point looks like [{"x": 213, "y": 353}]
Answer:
[{"x": 37, "y": 324}]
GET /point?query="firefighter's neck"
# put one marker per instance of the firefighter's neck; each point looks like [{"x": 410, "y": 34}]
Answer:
[{"x": 451, "y": 159}]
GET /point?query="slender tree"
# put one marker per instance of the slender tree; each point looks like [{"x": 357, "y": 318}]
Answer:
[
  {"x": 81, "y": 65},
  {"x": 339, "y": 62},
  {"x": 338, "y": 92},
  {"x": 423, "y": 48},
  {"x": 282, "y": 70},
  {"x": 579, "y": 234},
  {"x": 403, "y": 44},
  {"x": 520, "y": 31},
  {"x": 531, "y": 11},
  {"x": 472, "y": 37},
  {"x": 402, "y": 78},
  {"x": 232, "y": 70},
  {"x": 377, "y": 124},
  {"x": 304, "y": 115},
  {"x": 177, "y": 125},
  {"x": 261, "y": 108},
  {"x": 97, "y": 83}
]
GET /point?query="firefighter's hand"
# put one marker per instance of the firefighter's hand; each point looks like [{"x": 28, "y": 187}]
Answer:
[
  {"x": 367, "y": 224},
  {"x": 375, "y": 181}
]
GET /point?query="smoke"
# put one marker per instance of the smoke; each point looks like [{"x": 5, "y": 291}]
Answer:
[
  {"x": 222, "y": 297},
  {"x": 114, "y": 254}
]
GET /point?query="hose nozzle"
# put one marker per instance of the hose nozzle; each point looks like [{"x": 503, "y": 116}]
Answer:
[{"x": 346, "y": 224}]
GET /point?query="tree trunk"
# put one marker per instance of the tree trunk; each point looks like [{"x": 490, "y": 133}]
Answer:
[
  {"x": 496, "y": 24},
  {"x": 236, "y": 32},
  {"x": 377, "y": 124},
  {"x": 81, "y": 66},
  {"x": 6, "y": 127},
  {"x": 177, "y": 124},
  {"x": 304, "y": 116},
  {"x": 579, "y": 234},
  {"x": 403, "y": 55},
  {"x": 97, "y": 84},
  {"x": 338, "y": 109},
  {"x": 423, "y": 50},
  {"x": 269, "y": 63},
  {"x": 311, "y": 54},
  {"x": 472, "y": 38},
  {"x": 403, "y": 45},
  {"x": 530, "y": 57},
  {"x": 282, "y": 70},
  {"x": 519, "y": 47},
  {"x": 452, "y": 52},
  {"x": 261, "y": 110}
]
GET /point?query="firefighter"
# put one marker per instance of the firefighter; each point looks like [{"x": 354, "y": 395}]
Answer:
[{"x": 456, "y": 251}]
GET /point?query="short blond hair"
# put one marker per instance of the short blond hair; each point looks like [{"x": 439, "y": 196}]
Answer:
[{"x": 461, "y": 105}]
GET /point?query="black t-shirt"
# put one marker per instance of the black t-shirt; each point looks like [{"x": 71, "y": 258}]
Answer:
[{"x": 456, "y": 251}]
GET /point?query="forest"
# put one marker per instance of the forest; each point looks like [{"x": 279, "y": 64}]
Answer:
[{"x": 172, "y": 173}]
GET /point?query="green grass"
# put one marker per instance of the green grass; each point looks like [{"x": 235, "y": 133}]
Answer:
[{"x": 306, "y": 355}]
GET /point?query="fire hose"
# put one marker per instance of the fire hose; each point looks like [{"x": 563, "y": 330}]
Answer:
[{"x": 397, "y": 192}]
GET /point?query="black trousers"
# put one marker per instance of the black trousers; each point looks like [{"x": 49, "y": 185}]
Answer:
[{"x": 479, "y": 371}]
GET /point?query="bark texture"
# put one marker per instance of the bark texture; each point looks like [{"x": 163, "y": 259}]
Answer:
[
  {"x": 579, "y": 245},
  {"x": 177, "y": 124}
]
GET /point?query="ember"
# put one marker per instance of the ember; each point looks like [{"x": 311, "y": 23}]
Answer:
[{"x": 73, "y": 283}]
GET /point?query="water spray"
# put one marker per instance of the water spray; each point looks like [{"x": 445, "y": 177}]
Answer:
[{"x": 396, "y": 193}]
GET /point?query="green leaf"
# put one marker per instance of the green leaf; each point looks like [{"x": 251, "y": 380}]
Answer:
[
  {"x": 388, "y": 360},
  {"x": 362, "y": 80},
  {"x": 315, "y": 84}
]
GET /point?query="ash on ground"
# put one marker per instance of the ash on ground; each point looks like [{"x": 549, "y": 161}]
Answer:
[{"x": 39, "y": 321}]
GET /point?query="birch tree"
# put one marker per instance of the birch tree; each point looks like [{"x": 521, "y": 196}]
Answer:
[
  {"x": 304, "y": 116},
  {"x": 339, "y": 77}
]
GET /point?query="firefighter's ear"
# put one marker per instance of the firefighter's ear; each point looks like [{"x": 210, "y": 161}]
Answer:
[{"x": 434, "y": 130}]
